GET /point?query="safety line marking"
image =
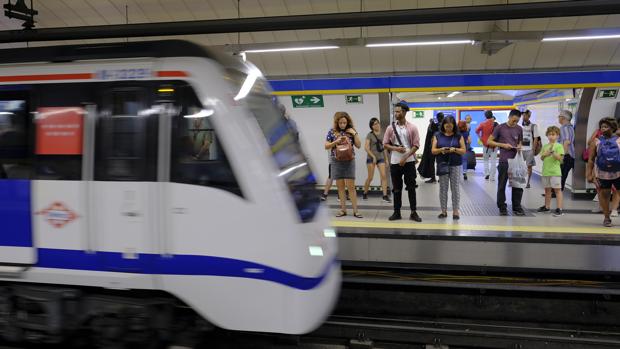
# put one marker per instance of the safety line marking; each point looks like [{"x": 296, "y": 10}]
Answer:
[{"x": 475, "y": 227}]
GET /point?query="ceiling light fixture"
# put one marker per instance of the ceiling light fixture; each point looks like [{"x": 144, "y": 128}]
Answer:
[
  {"x": 422, "y": 43},
  {"x": 453, "y": 94},
  {"x": 289, "y": 49},
  {"x": 588, "y": 37}
]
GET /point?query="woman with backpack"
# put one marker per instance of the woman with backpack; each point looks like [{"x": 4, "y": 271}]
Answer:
[
  {"x": 604, "y": 164},
  {"x": 340, "y": 141},
  {"x": 376, "y": 158}
]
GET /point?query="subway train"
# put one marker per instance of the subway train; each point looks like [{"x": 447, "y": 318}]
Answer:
[{"x": 141, "y": 182}]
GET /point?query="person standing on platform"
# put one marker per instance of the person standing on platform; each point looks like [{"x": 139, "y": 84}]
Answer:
[
  {"x": 551, "y": 155},
  {"x": 449, "y": 148},
  {"x": 464, "y": 131},
  {"x": 531, "y": 143},
  {"x": 484, "y": 131},
  {"x": 604, "y": 164},
  {"x": 567, "y": 139},
  {"x": 343, "y": 171},
  {"x": 376, "y": 158},
  {"x": 402, "y": 139},
  {"x": 508, "y": 137},
  {"x": 427, "y": 165}
]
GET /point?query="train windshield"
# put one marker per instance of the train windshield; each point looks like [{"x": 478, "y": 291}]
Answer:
[{"x": 294, "y": 168}]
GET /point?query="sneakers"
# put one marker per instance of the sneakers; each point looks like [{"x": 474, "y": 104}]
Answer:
[
  {"x": 607, "y": 222},
  {"x": 503, "y": 212},
  {"x": 486, "y": 177},
  {"x": 414, "y": 216},
  {"x": 323, "y": 197},
  {"x": 464, "y": 176},
  {"x": 386, "y": 199},
  {"x": 364, "y": 196},
  {"x": 395, "y": 216},
  {"x": 527, "y": 186},
  {"x": 543, "y": 209},
  {"x": 432, "y": 180},
  {"x": 614, "y": 213},
  {"x": 558, "y": 213},
  {"x": 518, "y": 212}
]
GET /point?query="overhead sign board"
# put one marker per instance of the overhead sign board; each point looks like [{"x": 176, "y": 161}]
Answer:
[
  {"x": 308, "y": 101},
  {"x": 610, "y": 93},
  {"x": 354, "y": 99}
]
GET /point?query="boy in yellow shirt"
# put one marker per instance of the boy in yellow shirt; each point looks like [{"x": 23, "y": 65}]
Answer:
[{"x": 551, "y": 154}]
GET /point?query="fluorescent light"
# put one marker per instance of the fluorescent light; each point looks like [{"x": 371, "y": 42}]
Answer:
[
  {"x": 438, "y": 97},
  {"x": 329, "y": 233},
  {"x": 422, "y": 43},
  {"x": 591, "y": 37},
  {"x": 315, "y": 250},
  {"x": 453, "y": 94},
  {"x": 292, "y": 168},
  {"x": 292, "y": 49}
]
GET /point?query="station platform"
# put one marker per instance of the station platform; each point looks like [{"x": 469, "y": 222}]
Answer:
[{"x": 481, "y": 238}]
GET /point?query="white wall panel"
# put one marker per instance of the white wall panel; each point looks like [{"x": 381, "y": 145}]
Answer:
[{"x": 314, "y": 123}]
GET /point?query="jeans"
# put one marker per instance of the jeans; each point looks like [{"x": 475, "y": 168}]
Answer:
[
  {"x": 396, "y": 173},
  {"x": 489, "y": 153},
  {"x": 567, "y": 165},
  {"x": 502, "y": 180}
]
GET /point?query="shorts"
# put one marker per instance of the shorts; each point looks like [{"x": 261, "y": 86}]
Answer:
[
  {"x": 343, "y": 169},
  {"x": 530, "y": 159},
  {"x": 379, "y": 160},
  {"x": 554, "y": 182},
  {"x": 608, "y": 183}
]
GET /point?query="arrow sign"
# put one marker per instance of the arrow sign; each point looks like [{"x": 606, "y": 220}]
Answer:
[{"x": 308, "y": 101}]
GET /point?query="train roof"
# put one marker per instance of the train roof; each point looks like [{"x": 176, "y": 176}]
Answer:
[{"x": 157, "y": 49}]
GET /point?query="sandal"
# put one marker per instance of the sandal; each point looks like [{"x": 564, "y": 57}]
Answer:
[
  {"x": 442, "y": 215},
  {"x": 357, "y": 215},
  {"x": 456, "y": 217},
  {"x": 341, "y": 213},
  {"x": 607, "y": 222}
]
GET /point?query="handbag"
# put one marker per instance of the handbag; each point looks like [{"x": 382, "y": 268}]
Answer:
[{"x": 344, "y": 151}]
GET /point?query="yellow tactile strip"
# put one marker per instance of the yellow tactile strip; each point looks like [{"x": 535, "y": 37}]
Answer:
[{"x": 475, "y": 227}]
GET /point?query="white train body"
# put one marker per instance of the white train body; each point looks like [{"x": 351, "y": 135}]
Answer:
[{"x": 233, "y": 245}]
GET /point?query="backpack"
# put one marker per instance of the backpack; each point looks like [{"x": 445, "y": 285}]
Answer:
[
  {"x": 608, "y": 155},
  {"x": 344, "y": 151}
]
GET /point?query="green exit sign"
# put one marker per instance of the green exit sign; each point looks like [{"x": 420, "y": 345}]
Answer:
[
  {"x": 418, "y": 114},
  {"x": 354, "y": 99},
  {"x": 608, "y": 93},
  {"x": 308, "y": 101}
]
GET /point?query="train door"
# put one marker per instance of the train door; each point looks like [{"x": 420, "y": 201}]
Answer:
[
  {"x": 125, "y": 190},
  {"x": 16, "y": 241}
]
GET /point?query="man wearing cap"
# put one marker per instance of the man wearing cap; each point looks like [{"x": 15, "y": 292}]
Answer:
[
  {"x": 484, "y": 130},
  {"x": 567, "y": 139}
]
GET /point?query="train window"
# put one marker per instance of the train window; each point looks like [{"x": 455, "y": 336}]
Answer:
[
  {"x": 197, "y": 155},
  {"x": 15, "y": 150},
  {"x": 126, "y": 143}
]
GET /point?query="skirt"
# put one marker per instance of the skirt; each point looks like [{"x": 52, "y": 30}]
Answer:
[{"x": 343, "y": 169}]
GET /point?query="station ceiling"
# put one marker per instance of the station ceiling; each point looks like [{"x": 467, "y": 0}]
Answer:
[{"x": 349, "y": 60}]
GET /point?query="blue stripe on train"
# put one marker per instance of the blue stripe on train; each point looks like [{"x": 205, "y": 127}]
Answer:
[
  {"x": 15, "y": 219},
  {"x": 176, "y": 265}
]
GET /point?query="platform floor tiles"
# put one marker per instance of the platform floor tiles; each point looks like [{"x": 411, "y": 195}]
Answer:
[{"x": 478, "y": 209}]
